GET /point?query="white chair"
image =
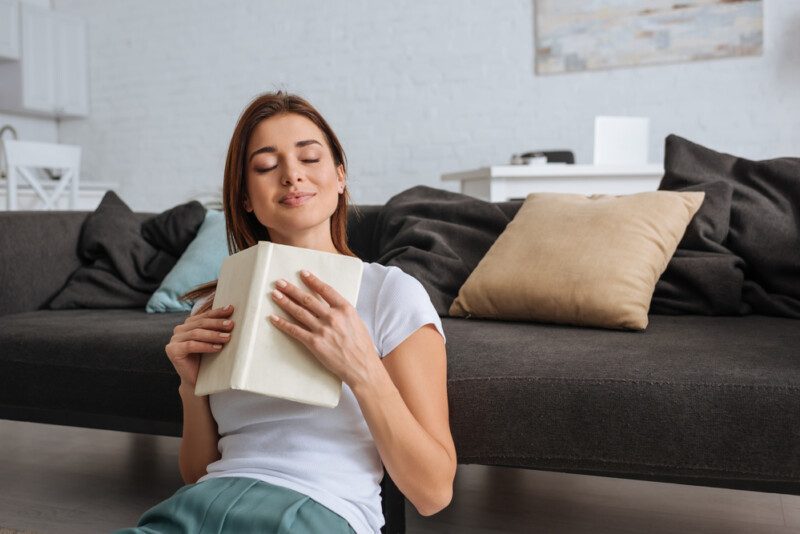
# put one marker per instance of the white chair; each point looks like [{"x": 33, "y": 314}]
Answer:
[{"x": 22, "y": 156}]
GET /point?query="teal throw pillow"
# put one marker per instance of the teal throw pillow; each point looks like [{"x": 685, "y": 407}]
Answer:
[{"x": 199, "y": 263}]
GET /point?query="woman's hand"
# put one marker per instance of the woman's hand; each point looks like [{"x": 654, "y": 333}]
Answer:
[
  {"x": 331, "y": 329},
  {"x": 204, "y": 332}
]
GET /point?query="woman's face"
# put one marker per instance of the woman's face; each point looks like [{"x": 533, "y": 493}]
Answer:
[{"x": 289, "y": 154}]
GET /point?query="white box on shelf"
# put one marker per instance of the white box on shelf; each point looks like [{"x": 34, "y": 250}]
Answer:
[{"x": 621, "y": 140}]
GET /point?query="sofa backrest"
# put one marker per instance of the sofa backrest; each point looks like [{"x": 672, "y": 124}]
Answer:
[{"x": 39, "y": 250}]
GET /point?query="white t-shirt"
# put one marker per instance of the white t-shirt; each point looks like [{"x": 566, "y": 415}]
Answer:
[{"x": 326, "y": 453}]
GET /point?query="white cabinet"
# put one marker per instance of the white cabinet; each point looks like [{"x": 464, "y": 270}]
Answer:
[
  {"x": 72, "y": 76},
  {"x": 9, "y": 29},
  {"x": 500, "y": 183},
  {"x": 38, "y": 60},
  {"x": 51, "y": 77}
]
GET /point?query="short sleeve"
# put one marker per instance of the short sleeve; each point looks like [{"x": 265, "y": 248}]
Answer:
[{"x": 402, "y": 307}]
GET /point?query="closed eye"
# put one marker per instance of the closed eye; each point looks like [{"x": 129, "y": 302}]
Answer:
[{"x": 275, "y": 166}]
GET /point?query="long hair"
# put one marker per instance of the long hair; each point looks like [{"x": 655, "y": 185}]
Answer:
[{"x": 242, "y": 228}]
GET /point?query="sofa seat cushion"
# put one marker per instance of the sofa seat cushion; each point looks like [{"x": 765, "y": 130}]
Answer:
[
  {"x": 699, "y": 396},
  {"x": 102, "y": 362},
  {"x": 692, "y": 395}
]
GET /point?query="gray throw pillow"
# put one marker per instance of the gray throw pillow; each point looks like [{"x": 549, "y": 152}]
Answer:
[
  {"x": 120, "y": 268},
  {"x": 764, "y": 226}
]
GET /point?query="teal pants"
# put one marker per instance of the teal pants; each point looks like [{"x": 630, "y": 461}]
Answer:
[{"x": 239, "y": 505}]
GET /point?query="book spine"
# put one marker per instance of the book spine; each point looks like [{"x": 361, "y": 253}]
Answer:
[{"x": 253, "y": 311}]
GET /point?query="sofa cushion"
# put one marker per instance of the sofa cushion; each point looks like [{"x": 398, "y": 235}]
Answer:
[
  {"x": 699, "y": 396},
  {"x": 764, "y": 228},
  {"x": 709, "y": 226},
  {"x": 103, "y": 362},
  {"x": 436, "y": 236},
  {"x": 692, "y": 395},
  {"x": 703, "y": 277},
  {"x": 199, "y": 263},
  {"x": 583, "y": 260},
  {"x": 174, "y": 229},
  {"x": 120, "y": 268}
]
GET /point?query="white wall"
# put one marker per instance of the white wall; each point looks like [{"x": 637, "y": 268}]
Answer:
[
  {"x": 413, "y": 89},
  {"x": 30, "y": 128}
]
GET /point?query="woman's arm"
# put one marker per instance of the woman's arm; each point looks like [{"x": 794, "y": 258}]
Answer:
[
  {"x": 200, "y": 436},
  {"x": 404, "y": 401}
]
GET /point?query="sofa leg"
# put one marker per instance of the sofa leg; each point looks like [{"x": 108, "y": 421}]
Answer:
[{"x": 393, "y": 503}]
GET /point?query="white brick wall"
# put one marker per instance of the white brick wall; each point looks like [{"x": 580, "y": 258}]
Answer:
[
  {"x": 413, "y": 89},
  {"x": 30, "y": 128}
]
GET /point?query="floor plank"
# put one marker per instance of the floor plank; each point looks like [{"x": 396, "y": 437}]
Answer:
[{"x": 74, "y": 480}]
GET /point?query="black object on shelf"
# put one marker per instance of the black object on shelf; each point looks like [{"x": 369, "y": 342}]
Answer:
[{"x": 553, "y": 156}]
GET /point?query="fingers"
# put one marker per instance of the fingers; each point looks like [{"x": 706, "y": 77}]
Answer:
[
  {"x": 201, "y": 334},
  {"x": 193, "y": 347},
  {"x": 293, "y": 330},
  {"x": 215, "y": 324},
  {"x": 209, "y": 319},
  {"x": 196, "y": 341},
  {"x": 298, "y": 312},
  {"x": 184, "y": 349},
  {"x": 326, "y": 291},
  {"x": 309, "y": 302},
  {"x": 179, "y": 350},
  {"x": 217, "y": 312}
]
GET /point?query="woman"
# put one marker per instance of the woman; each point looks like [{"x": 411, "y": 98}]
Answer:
[{"x": 254, "y": 463}]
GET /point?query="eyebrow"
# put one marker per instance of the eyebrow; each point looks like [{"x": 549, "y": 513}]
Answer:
[{"x": 303, "y": 143}]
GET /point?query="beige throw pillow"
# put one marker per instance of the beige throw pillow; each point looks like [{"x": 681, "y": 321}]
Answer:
[{"x": 581, "y": 260}]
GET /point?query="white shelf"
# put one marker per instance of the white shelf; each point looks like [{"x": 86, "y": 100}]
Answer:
[{"x": 504, "y": 182}]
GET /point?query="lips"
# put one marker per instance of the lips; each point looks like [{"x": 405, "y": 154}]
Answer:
[{"x": 297, "y": 200}]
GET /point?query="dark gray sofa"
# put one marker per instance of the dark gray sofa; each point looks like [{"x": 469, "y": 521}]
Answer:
[{"x": 703, "y": 400}]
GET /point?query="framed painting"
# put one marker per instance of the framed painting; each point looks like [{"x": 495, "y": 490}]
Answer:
[{"x": 579, "y": 35}]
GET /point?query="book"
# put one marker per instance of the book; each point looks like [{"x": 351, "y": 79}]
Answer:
[{"x": 259, "y": 357}]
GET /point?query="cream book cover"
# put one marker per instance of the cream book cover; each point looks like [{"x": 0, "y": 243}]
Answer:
[{"x": 259, "y": 357}]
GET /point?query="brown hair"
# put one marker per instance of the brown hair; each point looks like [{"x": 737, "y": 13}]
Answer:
[{"x": 243, "y": 229}]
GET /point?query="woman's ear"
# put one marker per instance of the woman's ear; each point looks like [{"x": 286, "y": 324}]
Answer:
[
  {"x": 341, "y": 178},
  {"x": 247, "y": 207}
]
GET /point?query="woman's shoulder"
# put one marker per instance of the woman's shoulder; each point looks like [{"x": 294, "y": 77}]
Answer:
[
  {"x": 401, "y": 307},
  {"x": 388, "y": 276},
  {"x": 393, "y": 286}
]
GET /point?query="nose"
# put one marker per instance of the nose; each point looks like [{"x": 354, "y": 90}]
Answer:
[{"x": 292, "y": 173}]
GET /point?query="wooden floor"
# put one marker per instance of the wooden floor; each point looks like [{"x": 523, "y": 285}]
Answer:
[{"x": 66, "y": 480}]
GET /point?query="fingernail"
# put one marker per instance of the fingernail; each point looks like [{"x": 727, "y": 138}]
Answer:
[
  {"x": 277, "y": 294},
  {"x": 224, "y": 334},
  {"x": 217, "y": 346},
  {"x": 304, "y": 272},
  {"x": 228, "y": 307},
  {"x": 226, "y": 322},
  {"x": 281, "y": 282}
]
